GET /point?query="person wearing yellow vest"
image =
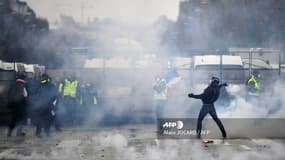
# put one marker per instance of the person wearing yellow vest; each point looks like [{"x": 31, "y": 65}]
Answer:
[
  {"x": 160, "y": 94},
  {"x": 253, "y": 85},
  {"x": 88, "y": 100},
  {"x": 88, "y": 95},
  {"x": 61, "y": 83},
  {"x": 68, "y": 90},
  {"x": 60, "y": 107}
]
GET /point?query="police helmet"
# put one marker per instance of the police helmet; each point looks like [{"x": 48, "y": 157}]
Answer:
[{"x": 256, "y": 73}]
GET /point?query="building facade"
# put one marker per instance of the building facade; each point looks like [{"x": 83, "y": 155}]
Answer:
[
  {"x": 221, "y": 24},
  {"x": 20, "y": 30}
]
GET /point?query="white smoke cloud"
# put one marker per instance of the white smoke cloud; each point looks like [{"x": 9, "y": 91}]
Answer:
[
  {"x": 269, "y": 105},
  {"x": 129, "y": 11}
]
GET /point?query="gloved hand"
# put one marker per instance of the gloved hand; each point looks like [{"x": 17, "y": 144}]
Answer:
[
  {"x": 54, "y": 102},
  {"x": 190, "y": 95}
]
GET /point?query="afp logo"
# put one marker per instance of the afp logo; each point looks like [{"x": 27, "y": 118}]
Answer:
[{"x": 177, "y": 124}]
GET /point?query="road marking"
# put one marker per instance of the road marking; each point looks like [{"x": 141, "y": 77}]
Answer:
[
  {"x": 69, "y": 143},
  {"x": 245, "y": 147},
  {"x": 227, "y": 144}
]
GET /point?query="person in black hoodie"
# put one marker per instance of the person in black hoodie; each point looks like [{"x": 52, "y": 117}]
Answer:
[
  {"x": 47, "y": 94},
  {"x": 208, "y": 97}
]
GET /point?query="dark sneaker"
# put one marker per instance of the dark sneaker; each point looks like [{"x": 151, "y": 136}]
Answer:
[
  {"x": 198, "y": 136},
  {"x": 224, "y": 135}
]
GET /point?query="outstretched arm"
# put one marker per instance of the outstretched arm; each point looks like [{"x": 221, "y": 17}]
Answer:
[
  {"x": 207, "y": 92},
  {"x": 223, "y": 85},
  {"x": 198, "y": 96}
]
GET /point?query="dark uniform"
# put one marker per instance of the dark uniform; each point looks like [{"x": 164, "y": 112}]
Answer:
[
  {"x": 208, "y": 97},
  {"x": 17, "y": 98},
  {"x": 88, "y": 100},
  {"x": 46, "y": 105},
  {"x": 33, "y": 86}
]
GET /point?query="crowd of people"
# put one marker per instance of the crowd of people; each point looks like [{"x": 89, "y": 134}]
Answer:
[
  {"x": 69, "y": 102},
  {"x": 43, "y": 103}
]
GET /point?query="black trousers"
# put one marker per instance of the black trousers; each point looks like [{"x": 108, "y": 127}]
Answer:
[
  {"x": 43, "y": 120},
  {"x": 57, "y": 123},
  {"x": 18, "y": 117},
  {"x": 18, "y": 121},
  {"x": 43, "y": 124},
  {"x": 71, "y": 116},
  {"x": 209, "y": 108}
]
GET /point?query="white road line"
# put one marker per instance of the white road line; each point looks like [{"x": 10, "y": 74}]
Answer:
[{"x": 245, "y": 147}]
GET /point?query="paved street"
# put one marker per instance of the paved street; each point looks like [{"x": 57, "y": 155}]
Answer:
[{"x": 131, "y": 143}]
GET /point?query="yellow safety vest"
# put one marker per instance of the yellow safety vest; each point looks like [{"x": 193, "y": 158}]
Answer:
[
  {"x": 256, "y": 86},
  {"x": 163, "y": 94},
  {"x": 44, "y": 81},
  {"x": 70, "y": 88},
  {"x": 81, "y": 100},
  {"x": 60, "y": 87},
  {"x": 94, "y": 100}
]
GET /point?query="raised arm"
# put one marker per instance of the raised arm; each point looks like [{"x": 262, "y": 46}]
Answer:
[
  {"x": 223, "y": 85},
  {"x": 198, "y": 96},
  {"x": 207, "y": 92}
]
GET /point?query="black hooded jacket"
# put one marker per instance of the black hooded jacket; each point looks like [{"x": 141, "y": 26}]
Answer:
[
  {"x": 46, "y": 95},
  {"x": 210, "y": 94}
]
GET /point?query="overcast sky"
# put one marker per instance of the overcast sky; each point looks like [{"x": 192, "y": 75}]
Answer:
[{"x": 130, "y": 11}]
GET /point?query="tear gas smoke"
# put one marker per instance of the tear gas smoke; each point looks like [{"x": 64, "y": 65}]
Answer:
[
  {"x": 150, "y": 39},
  {"x": 119, "y": 146}
]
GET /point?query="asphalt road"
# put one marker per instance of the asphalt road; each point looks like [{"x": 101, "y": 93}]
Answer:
[{"x": 131, "y": 143}]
